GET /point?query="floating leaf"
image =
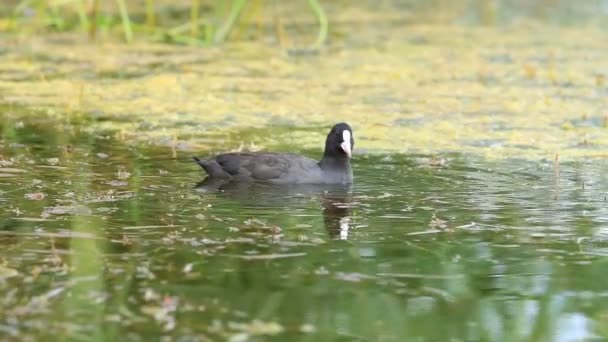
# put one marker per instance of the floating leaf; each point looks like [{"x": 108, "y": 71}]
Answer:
[
  {"x": 53, "y": 161},
  {"x": 122, "y": 174},
  {"x": 37, "y": 196},
  {"x": 117, "y": 183},
  {"x": 257, "y": 327}
]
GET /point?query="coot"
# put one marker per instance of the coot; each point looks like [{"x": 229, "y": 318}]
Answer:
[{"x": 288, "y": 168}]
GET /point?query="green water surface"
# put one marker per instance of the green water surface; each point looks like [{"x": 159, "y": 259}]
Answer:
[
  {"x": 479, "y": 210},
  {"x": 107, "y": 241}
]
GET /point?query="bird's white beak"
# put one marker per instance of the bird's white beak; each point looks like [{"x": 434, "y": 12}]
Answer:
[{"x": 345, "y": 145}]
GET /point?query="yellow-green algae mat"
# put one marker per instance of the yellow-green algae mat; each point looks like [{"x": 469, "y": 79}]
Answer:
[{"x": 526, "y": 92}]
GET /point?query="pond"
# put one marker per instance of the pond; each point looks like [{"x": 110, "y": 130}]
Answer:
[
  {"x": 479, "y": 210},
  {"x": 111, "y": 240}
]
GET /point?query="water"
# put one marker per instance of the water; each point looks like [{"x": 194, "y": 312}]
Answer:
[
  {"x": 110, "y": 241},
  {"x": 461, "y": 225}
]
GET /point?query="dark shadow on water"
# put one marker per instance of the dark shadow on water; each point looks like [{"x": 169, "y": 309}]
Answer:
[{"x": 335, "y": 200}]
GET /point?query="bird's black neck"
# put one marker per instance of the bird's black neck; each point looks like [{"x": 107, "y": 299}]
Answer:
[{"x": 334, "y": 163}]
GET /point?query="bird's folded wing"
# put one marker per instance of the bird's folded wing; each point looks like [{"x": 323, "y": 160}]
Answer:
[{"x": 263, "y": 166}]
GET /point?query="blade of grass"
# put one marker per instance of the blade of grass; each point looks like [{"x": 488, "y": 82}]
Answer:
[
  {"x": 41, "y": 12},
  {"x": 82, "y": 15},
  {"x": 209, "y": 33},
  {"x": 235, "y": 12},
  {"x": 246, "y": 19},
  {"x": 179, "y": 33},
  {"x": 93, "y": 15},
  {"x": 278, "y": 25},
  {"x": 194, "y": 12},
  {"x": 323, "y": 23},
  {"x": 150, "y": 13},
  {"x": 258, "y": 15},
  {"x": 126, "y": 22}
]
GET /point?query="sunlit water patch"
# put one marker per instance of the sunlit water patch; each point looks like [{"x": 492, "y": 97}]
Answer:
[{"x": 116, "y": 241}]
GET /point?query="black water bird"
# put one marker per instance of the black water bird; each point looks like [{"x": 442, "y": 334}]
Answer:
[{"x": 287, "y": 168}]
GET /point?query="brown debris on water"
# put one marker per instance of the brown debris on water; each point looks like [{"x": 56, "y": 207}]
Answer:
[
  {"x": 438, "y": 224},
  {"x": 36, "y": 196},
  {"x": 600, "y": 79},
  {"x": 52, "y": 161},
  {"x": 529, "y": 71}
]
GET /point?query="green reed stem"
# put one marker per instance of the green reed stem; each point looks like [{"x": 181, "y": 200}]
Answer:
[
  {"x": 41, "y": 9},
  {"x": 235, "y": 12},
  {"x": 194, "y": 13},
  {"x": 150, "y": 13},
  {"x": 126, "y": 22},
  {"x": 82, "y": 15},
  {"x": 93, "y": 17},
  {"x": 323, "y": 23}
]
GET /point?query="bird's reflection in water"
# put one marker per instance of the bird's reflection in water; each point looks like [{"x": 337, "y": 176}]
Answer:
[
  {"x": 335, "y": 200},
  {"x": 337, "y": 213}
]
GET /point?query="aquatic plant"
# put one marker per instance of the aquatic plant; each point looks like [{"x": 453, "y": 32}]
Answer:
[{"x": 197, "y": 22}]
